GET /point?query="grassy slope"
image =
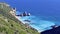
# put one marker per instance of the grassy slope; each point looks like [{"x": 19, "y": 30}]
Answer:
[{"x": 10, "y": 25}]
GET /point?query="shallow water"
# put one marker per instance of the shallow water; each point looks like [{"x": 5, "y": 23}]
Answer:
[{"x": 39, "y": 24}]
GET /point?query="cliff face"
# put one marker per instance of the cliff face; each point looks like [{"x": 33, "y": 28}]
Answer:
[{"x": 9, "y": 24}]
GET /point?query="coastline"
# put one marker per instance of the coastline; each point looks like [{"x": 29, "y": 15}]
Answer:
[
  {"x": 25, "y": 23},
  {"x": 40, "y": 26}
]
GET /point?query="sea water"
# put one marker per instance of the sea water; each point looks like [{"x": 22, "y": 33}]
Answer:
[{"x": 44, "y": 13}]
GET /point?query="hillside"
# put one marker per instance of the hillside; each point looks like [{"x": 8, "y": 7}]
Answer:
[{"x": 10, "y": 25}]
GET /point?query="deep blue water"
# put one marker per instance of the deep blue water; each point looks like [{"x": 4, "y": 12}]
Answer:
[{"x": 45, "y": 11}]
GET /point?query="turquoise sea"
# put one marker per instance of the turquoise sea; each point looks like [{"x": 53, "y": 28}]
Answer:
[{"x": 44, "y": 13}]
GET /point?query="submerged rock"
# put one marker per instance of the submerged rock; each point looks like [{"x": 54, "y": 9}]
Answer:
[{"x": 27, "y": 20}]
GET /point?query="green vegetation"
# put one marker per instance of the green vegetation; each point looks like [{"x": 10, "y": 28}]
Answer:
[{"x": 10, "y": 25}]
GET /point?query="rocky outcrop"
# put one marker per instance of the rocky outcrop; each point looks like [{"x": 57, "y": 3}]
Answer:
[{"x": 24, "y": 14}]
